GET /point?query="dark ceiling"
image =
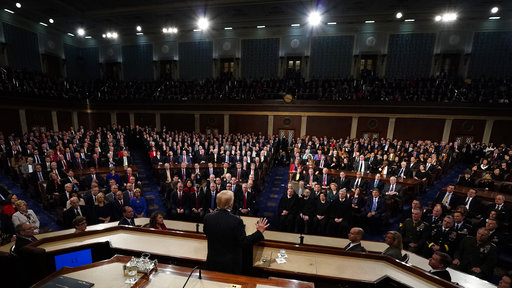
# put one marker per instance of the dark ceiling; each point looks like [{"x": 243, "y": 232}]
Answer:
[{"x": 123, "y": 16}]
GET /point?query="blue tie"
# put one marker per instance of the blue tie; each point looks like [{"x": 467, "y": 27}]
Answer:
[
  {"x": 213, "y": 200},
  {"x": 374, "y": 205}
]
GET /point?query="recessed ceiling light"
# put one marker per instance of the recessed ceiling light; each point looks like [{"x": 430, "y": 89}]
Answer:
[
  {"x": 104, "y": 36},
  {"x": 449, "y": 17},
  {"x": 295, "y": 25},
  {"x": 331, "y": 23},
  {"x": 80, "y": 31},
  {"x": 260, "y": 26},
  {"x": 399, "y": 15},
  {"x": 138, "y": 28},
  {"x": 369, "y": 21},
  {"x": 71, "y": 34},
  {"x": 44, "y": 24},
  {"x": 314, "y": 18},
  {"x": 51, "y": 20},
  {"x": 88, "y": 37},
  {"x": 494, "y": 18},
  {"x": 495, "y": 10},
  {"x": 228, "y": 28},
  {"x": 140, "y": 33},
  {"x": 438, "y": 18},
  {"x": 197, "y": 30},
  {"x": 409, "y": 20},
  {"x": 18, "y": 5},
  {"x": 203, "y": 23},
  {"x": 9, "y": 11}
]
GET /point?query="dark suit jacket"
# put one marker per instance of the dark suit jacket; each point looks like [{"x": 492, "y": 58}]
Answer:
[
  {"x": 226, "y": 241},
  {"x": 371, "y": 184},
  {"x": 343, "y": 184},
  {"x": 69, "y": 215},
  {"x": 443, "y": 274},
  {"x": 454, "y": 200},
  {"x": 398, "y": 189},
  {"x": 379, "y": 209},
  {"x": 356, "y": 248},
  {"x": 362, "y": 184},
  {"x": 127, "y": 222}
]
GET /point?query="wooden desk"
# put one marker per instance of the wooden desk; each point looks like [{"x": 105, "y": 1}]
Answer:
[
  {"x": 485, "y": 195},
  {"x": 165, "y": 276},
  {"x": 103, "y": 171}
]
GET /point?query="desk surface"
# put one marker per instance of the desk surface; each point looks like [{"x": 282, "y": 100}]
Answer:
[
  {"x": 165, "y": 276},
  {"x": 196, "y": 249}
]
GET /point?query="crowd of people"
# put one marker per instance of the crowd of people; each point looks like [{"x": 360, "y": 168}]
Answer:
[
  {"x": 369, "y": 89},
  {"x": 465, "y": 228}
]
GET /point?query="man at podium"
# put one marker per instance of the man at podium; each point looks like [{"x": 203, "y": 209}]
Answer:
[{"x": 226, "y": 236}]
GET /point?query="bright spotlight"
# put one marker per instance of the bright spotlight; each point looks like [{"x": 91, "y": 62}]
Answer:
[
  {"x": 449, "y": 17},
  {"x": 18, "y": 5},
  {"x": 314, "y": 18},
  {"x": 438, "y": 18},
  {"x": 80, "y": 31},
  {"x": 203, "y": 23},
  {"x": 139, "y": 28},
  {"x": 104, "y": 36},
  {"x": 495, "y": 10},
  {"x": 109, "y": 35},
  {"x": 164, "y": 30},
  {"x": 399, "y": 15},
  {"x": 51, "y": 20},
  {"x": 114, "y": 35}
]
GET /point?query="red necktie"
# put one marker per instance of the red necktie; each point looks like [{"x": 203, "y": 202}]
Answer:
[
  {"x": 121, "y": 202},
  {"x": 245, "y": 200},
  {"x": 238, "y": 175},
  {"x": 179, "y": 195}
]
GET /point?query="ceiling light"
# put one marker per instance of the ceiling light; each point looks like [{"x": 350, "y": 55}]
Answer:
[
  {"x": 495, "y": 10},
  {"x": 9, "y": 11},
  {"x": 88, "y": 37},
  {"x": 80, "y": 31},
  {"x": 494, "y": 18},
  {"x": 197, "y": 30},
  {"x": 104, "y": 36},
  {"x": 228, "y": 28},
  {"x": 114, "y": 35},
  {"x": 438, "y": 18},
  {"x": 399, "y": 15},
  {"x": 409, "y": 20},
  {"x": 369, "y": 21},
  {"x": 203, "y": 23},
  {"x": 138, "y": 28},
  {"x": 331, "y": 23},
  {"x": 109, "y": 35},
  {"x": 71, "y": 34},
  {"x": 51, "y": 20},
  {"x": 314, "y": 18},
  {"x": 18, "y": 5},
  {"x": 164, "y": 30},
  {"x": 449, "y": 17},
  {"x": 295, "y": 25},
  {"x": 140, "y": 33},
  {"x": 44, "y": 24},
  {"x": 260, "y": 26}
]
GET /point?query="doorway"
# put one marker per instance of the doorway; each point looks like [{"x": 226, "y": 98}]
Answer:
[
  {"x": 368, "y": 65},
  {"x": 287, "y": 133},
  {"x": 293, "y": 66},
  {"x": 450, "y": 64},
  {"x": 227, "y": 67}
]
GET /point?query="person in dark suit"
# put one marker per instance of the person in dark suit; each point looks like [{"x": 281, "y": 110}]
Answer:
[
  {"x": 180, "y": 204},
  {"x": 343, "y": 181},
  {"x": 392, "y": 188},
  {"x": 288, "y": 209},
  {"x": 92, "y": 176},
  {"x": 325, "y": 179},
  {"x": 415, "y": 232},
  {"x": 466, "y": 180},
  {"x": 127, "y": 217},
  {"x": 25, "y": 236},
  {"x": 373, "y": 211},
  {"x": 197, "y": 202},
  {"x": 75, "y": 210},
  {"x": 238, "y": 173},
  {"x": 245, "y": 201},
  {"x": 375, "y": 184},
  {"x": 403, "y": 171},
  {"x": 182, "y": 173},
  {"x": 439, "y": 262},
  {"x": 118, "y": 202},
  {"x": 361, "y": 165},
  {"x": 355, "y": 235},
  {"x": 339, "y": 215},
  {"x": 125, "y": 159},
  {"x": 310, "y": 178},
  {"x": 210, "y": 203},
  {"x": 448, "y": 199},
  {"x": 226, "y": 236},
  {"x": 358, "y": 182}
]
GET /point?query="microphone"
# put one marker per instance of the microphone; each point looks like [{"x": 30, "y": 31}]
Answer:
[{"x": 194, "y": 269}]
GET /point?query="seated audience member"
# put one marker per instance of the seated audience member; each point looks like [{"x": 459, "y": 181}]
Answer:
[
  {"x": 74, "y": 210},
  {"x": 25, "y": 215},
  {"x": 500, "y": 207},
  {"x": 476, "y": 255},
  {"x": 460, "y": 226},
  {"x": 119, "y": 201},
  {"x": 310, "y": 178},
  {"x": 7, "y": 229},
  {"x": 415, "y": 204},
  {"x": 113, "y": 175},
  {"x": 375, "y": 184},
  {"x": 373, "y": 211},
  {"x": 180, "y": 204},
  {"x": 415, "y": 232},
  {"x": 394, "y": 241},
  {"x": 127, "y": 218},
  {"x": 439, "y": 262},
  {"x": 287, "y": 210},
  {"x": 339, "y": 215},
  {"x": 320, "y": 218},
  {"x": 473, "y": 205},
  {"x": 443, "y": 238},
  {"x": 423, "y": 176},
  {"x": 92, "y": 177},
  {"x": 343, "y": 181},
  {"x": 403, "y": 171},
  {"x": 156, "y": 221},
  {"x": 101, "y": 210},
  {"x": 505, "y": 281},
  {"x": 355, "y": 236},
  {"x": 486, "y": 182},
  {"x": 332, "y": 193},
  {"x": 306, "y": 213},
  {"x": 81, "y": 201},
  {"x": 466, "y": 180},
  {"x": 392, "y": 188},
  {"x": 138, "y": 204},
  {"x": 24, "y": 236},
  {"x": 495, "y": 234},
  {"x": 54, "y": 185},
  {"x": 434, "y": 216},
  {"x": 9, "y": 205},
  {"x": 80, "y": 224},
  {"x": 448, "y": 199},
  {"x": 358, "y": 182}
]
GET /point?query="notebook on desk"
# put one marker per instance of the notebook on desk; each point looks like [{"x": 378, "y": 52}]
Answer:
[{"x": 67, "y": 282}]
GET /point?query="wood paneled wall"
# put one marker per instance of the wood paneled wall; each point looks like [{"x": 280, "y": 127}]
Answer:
[
  {"x": 288, "y": 123},
  {"x": 123, "y": 119},
  {"x": 93, "y": 120},
  {"x": 143, "y": 119},
  {"x": 419, "y": 129},
  {"x": 211, "y": 122},
  {"x": 329, "y": 126},
  {"x": 180, "y": 122},
  {"x": 372, "y": 125},
  {"x": 65, "y": 120},
  {"x": 248, "y": 123},
  {"x": 38, "y": 119},
  {"x": 467, "y": 128},
  {"x": 10, "y": 121},
  {"x": 501, "y": 132}
]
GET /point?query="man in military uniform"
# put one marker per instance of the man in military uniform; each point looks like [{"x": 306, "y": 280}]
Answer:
[
  {"x": 476, "y": 255},
  {"x": 494, "y": 232},
  {"x": 442, "y": 239},
  {"x": 415, "y": 232},
  {"x": 434, "y": 216},
  {"x": 460, "y": 226}
]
